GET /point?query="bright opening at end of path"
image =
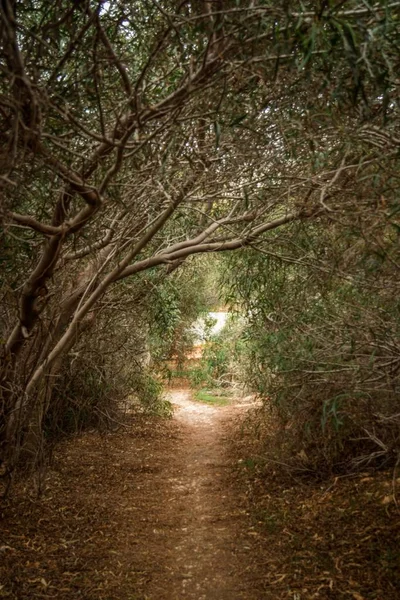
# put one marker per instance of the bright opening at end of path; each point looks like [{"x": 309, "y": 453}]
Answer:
[{"x": 201, "y": 329}]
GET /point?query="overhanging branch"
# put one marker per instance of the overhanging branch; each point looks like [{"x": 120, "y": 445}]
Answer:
[{"x": 174, "y": 253}]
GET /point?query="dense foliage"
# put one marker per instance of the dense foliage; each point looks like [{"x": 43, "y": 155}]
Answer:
[
  {"x": 323, "y": 341},
  {"x": 136, "y": 134}
]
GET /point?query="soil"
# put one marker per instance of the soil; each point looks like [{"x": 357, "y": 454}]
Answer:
[
  {"x": 187, "y": 509},
  {"x": 204, "y": 561},
  {"x": 148, "y": 513}
]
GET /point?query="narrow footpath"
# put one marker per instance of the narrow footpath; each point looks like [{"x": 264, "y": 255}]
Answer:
[
  {"x": 206, "y": 561},
  {"x": 147, "y": 513},
  {"x": 159, "y": 511}
]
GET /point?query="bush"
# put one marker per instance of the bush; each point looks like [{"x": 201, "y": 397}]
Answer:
[
  {"x": 147, "y": 395},
  {"x": 83, "y": 397},
  {"x": 322, "y": 346},
  {"x": 334, "y": 384}
]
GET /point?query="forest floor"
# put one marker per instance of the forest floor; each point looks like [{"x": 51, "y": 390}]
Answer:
[{"x": 182, "y": 510}]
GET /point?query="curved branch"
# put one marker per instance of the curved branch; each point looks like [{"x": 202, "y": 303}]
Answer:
[
  {"x": 99, "y": 245},
  {"x": 32, "y": 223},
  {"x": 193, "y": 247}
]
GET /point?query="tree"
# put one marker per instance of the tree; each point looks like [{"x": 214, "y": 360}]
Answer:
[{"x": 140, "y": 133}]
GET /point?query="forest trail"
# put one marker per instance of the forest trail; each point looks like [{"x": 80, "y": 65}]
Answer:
[
  {"x": 159, "y": 511},
  {"x": 206, "y": 561},
  {"x": 148, "y": 513}
]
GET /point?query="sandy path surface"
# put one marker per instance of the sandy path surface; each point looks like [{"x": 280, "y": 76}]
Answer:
[{"x": 206, "y": 561}]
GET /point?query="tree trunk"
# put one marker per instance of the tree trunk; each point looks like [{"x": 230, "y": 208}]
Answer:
[{"x": 23, "y": 431}]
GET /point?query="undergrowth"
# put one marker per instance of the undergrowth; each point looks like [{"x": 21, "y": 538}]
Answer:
[{"x": 331, "y": 538}]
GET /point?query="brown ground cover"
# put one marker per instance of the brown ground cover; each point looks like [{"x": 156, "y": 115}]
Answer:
[
  {"x": 165, "y": 510},
  {"x": 91, "y": 533},
  {"x": 331, "y": 539},
  {"x": 146, "y": 513}
]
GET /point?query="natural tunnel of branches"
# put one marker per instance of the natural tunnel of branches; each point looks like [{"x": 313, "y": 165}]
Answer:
[{"x": 137, "y": 135}]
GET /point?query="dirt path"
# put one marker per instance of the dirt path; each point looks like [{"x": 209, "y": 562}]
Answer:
[
  {"x": 148, "y": 513},
  {"x": 206, "y": 561},
  {"x": 155, "y": 512}
]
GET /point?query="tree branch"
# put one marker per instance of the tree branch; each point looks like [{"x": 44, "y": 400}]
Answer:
[
  {"x": 193, "y": 247},
  {"x": 32, "y": 223}
]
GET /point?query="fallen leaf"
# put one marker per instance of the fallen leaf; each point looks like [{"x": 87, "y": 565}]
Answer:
[{"x": 387, "y": 500}]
